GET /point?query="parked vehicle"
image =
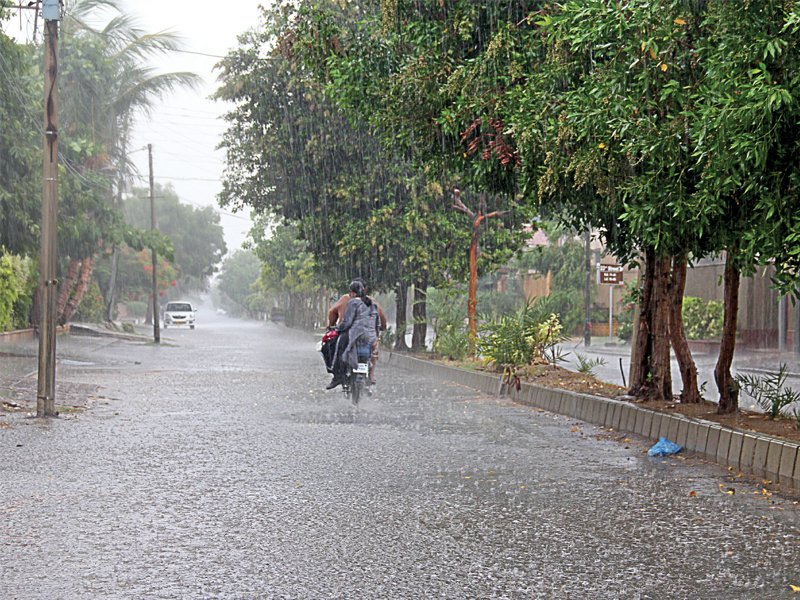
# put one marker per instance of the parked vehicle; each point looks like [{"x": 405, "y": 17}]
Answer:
[{"x": 179, "y": 313}]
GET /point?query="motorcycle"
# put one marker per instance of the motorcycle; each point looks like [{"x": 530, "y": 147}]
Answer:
[{"x": 356, "y": 381}]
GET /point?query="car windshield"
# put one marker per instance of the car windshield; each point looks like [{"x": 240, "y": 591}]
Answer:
[{"x": 179, "y": 307}]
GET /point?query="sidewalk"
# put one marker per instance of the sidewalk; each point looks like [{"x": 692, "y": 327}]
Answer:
[
  {"x": 19, "y": 358},
  {"x": 617, "y": 366}
]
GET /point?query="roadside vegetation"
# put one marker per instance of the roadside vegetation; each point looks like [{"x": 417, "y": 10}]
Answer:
[
  {"x": 421, "y": 144},
  {"x": 106, "y": 81},
  {"x": 664, "y": 128}
]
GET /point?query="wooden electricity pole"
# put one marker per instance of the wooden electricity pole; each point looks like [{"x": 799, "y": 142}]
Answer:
[
  {"x": 156, "y": 330},
  {"x": 48, "y": 283}
]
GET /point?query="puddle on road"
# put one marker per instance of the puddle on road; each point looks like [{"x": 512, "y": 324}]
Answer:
[{"x": 75, "y": 363}]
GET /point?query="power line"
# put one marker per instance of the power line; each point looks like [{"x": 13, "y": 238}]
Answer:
[{"x": 189, "y": 179}]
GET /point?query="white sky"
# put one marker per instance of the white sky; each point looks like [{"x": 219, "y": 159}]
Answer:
[{"x": 185, "y": 127}]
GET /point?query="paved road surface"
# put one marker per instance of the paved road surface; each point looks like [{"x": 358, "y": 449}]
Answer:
[
  {"x": 216, "y": 466},
  {"x": 616, "y": 362}
]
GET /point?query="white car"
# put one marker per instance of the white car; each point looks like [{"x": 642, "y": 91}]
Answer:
[{"x": 179, "y": 313}]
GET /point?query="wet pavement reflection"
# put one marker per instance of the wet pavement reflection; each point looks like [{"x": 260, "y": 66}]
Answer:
[{"x": 217, "y": 466}]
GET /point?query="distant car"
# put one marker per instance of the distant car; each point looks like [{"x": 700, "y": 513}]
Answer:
[
  {"x": 222, "y": 311},
  {"x": 179, "y": 313}
]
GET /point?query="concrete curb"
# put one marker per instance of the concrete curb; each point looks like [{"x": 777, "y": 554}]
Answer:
[
  {"x": 749, "y": 452},
  {"x": 26, "y": 335}
]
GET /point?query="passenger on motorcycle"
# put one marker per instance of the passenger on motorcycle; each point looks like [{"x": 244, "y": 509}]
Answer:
[
  {"x": 361, "y": 324},
  {"x": 336, "y": 316}
]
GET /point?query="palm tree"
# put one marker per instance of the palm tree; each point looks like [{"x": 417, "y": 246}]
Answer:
[{"x": 107, "y": 84}]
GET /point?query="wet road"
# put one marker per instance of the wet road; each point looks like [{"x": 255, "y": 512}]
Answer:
[{"x": 216, "y": 466}]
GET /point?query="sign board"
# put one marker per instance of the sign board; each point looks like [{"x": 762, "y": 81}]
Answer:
[{"x": 609, "y": 274}]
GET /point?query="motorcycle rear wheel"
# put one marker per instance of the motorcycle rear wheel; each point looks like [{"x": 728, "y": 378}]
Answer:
[{"x": 356, "y": 388}]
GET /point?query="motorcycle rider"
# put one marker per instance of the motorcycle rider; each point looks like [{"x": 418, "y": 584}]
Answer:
[
  {"x": 336, "y": 316},
  {"x": 361, "y": 323}
]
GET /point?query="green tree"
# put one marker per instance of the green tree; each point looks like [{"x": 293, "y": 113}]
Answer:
[
  {"x": 292, "y": 152},
  {"x": 106, "y": 82},
  {"x": 747, "y": 139},
  {"x": 289, "y": 275},
  {"x": 378, "y": 68},
  {"x": 238, "y": 279},
  {"x": 196, "y": 235},
  {"x": 20, "y": 148}
]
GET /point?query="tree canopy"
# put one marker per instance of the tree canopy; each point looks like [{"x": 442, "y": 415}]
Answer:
[{"x": 195, "y": 233}]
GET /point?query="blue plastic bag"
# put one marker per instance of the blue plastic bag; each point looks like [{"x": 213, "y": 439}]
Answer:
[{"x": 663, "y": 447}]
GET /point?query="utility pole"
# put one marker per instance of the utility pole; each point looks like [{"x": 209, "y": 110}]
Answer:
[
  {"x": 587, "y": 290},
  {"x": 156, "y": 330},
  {"x": 796, "y": 341},
  {"x": 48, "y": 283},
  {"x": 782, "y": 323}
]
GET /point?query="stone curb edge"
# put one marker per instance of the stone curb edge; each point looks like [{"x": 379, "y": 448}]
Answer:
[{"x": 745, "y": 451}]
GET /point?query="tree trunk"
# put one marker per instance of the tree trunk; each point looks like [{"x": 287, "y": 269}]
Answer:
[
  {"x": 419, "y": 312},
  {"x": 66, "y": 286},
  {"x": 726, "y": 384},
  {"x": 660, "y": 369},
  {"x": 641, "y": 350},
  {"x": 472, "y": 297},
  {"x": 650, "y": 360},
  {"x": 401, "y": 302},
  {"x": 690, "y": 394},
  {"x": 85, "y": 277}
]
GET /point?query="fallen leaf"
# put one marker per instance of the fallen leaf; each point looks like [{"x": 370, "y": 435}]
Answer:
[
  {"x": 795, "y": 588},
  {"x": 692, "y": 494},
  {"x": 574, "y": 428},
  {"x": 680, "y": 21}
]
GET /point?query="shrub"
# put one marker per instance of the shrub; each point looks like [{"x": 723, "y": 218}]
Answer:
[
  {"x": 768, "y": 391},
  {"x": 587, "y": 365},
  {"x": 17, "y": 284},
  {"x": 701, "y": 319},
  {"x": 387, "y": 338},
  {"x": 512, "y": 341},
  {"x": 452, "y": 342},
  {"x": 447, "y": 309},
  {"x": 137, "y": 309},
  {"x": 92, "y": 307}
]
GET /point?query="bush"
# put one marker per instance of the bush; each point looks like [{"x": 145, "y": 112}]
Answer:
[
  {"x": 513, "y": 341},
  {"x": 452, "y": 342},
  {"x": 136, "y": 309},
  {"x": 447, "y": 308},
  {"x": 17, "y": 284},
  {"x": 769, "y": 391},
  {"x": 387, "y": 338},
  {"x": 701, "y": 319},
  {"x": 92, "y": 307}
]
